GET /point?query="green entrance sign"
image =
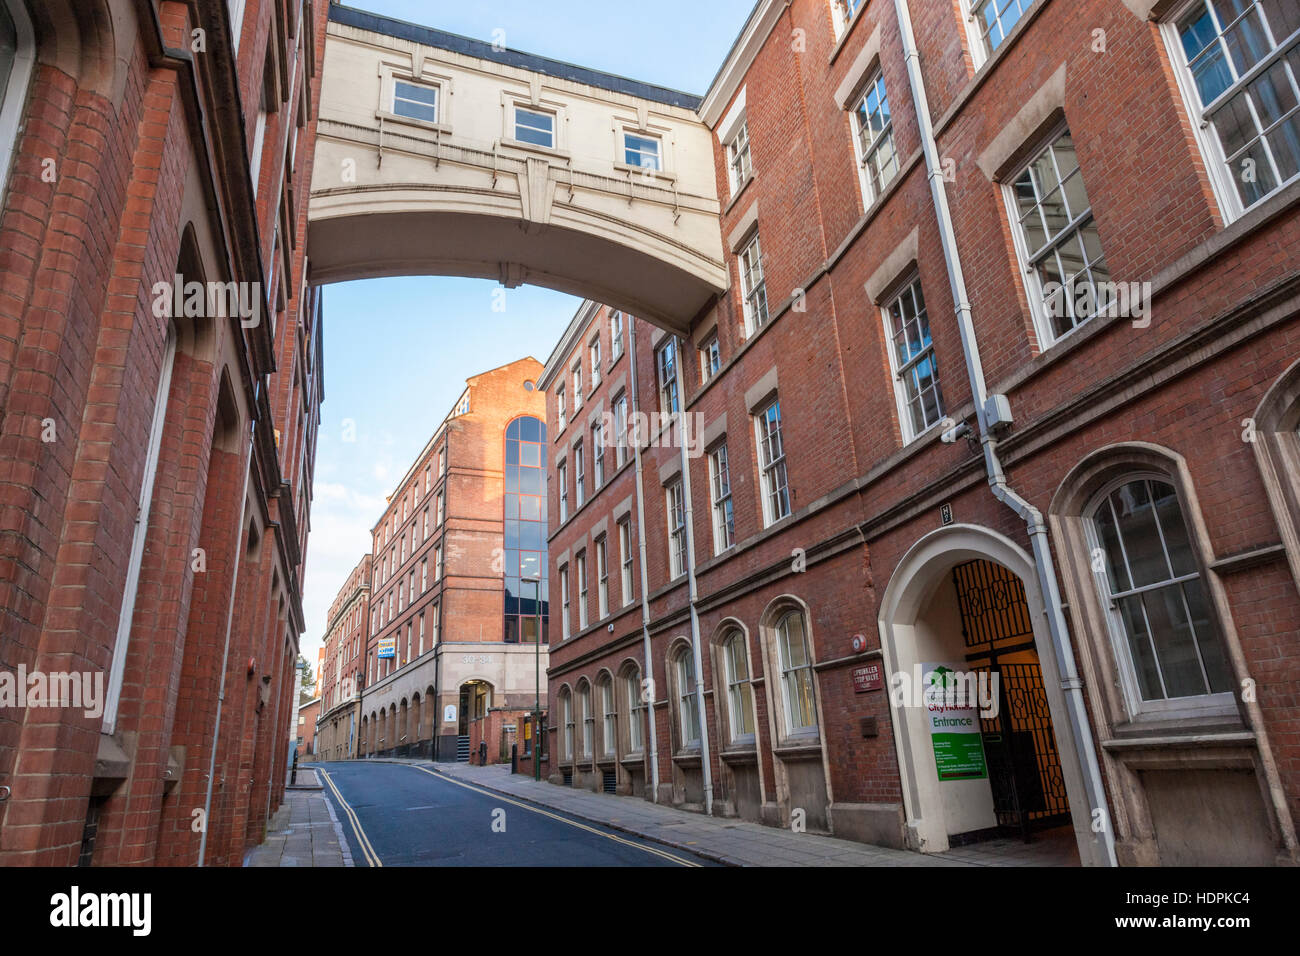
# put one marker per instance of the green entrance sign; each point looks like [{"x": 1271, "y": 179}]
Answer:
[{"x": 954, "y": 728}]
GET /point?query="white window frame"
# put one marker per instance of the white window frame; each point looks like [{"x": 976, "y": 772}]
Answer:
[
  {"x": 724, "y": 514},
  {"x": 514, "y": 125},
  {"x": 1047, "y": 335},
  {"x": 687, "y": 701},
  {"x": 602, "y": 577},
  {"x": 740, "y": 156},
  {"x": 117, "y": 668},
  {"x": 902, "y": 370},
  {"x": 769, "y": 469},
  {"x": 737, "y": 714},
  {"x": 562, "y": 479},
  {"x": 588, "y": 720},
  {"x": 560, "y": 411},
  {"x": 579, "y": 476},
  {"x": 564, "y": 603},
  {"x": 710, "y": 358},
  {"x": 615, "y": 335},
  {"x": 641, "y": 167},
  {"x": 609, "y": 723},
  {"x": 597, "y": 456},
  {"x": 788, "y": 671},
  {"x": 1198, "y": 706},
  {"x": 620, "y": 430},
  {"x": 666, "y": 376},
  {"x": 577, "y": 384},
  {"x": 981, "y": 50},
  {"x": 883, "y": 140},
  {"x": 1222, "y": 177},
  {"x": 753, "y": 285},
  {"x": 580, "y": 559},
  {"x": 13, "y": 97},
  {"x": 635, "y": 712},
  {"x": 625, "y": 560},
  {"x": 593, "y": 356},
  {"x": 675, "y": 510}
]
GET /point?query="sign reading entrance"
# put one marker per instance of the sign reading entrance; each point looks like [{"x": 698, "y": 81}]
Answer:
[
  {"x": 868, "y": 677},
  {"x": 954, "y": 727}
]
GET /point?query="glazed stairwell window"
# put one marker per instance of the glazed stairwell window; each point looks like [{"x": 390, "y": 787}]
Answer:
[
  {"x": 874, "y": 139},
  {"x": 1166, "y": 640},
  {"x": 911, "y": 353},
  {"x": 1066, "y": 277},
  {"x": 1238, "y": 64}
]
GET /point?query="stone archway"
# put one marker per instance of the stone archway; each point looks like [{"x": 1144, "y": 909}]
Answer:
[{"x": 921, "y": 622}]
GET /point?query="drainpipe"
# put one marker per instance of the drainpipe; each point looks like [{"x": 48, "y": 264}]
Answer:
[
  {"x": 1044, "y": 567},
  {"x": 648, "y": 673},
  {"x": 692, "y": 590},
  {"x": 225, "y": 654}
]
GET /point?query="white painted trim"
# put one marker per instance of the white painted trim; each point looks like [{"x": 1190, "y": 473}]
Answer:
[
  {"x": 13, "y": 98},
  {"x": 740, "y": 58}
]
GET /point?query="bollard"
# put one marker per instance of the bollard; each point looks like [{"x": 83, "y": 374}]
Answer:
[{"x": 514, "y": 758}]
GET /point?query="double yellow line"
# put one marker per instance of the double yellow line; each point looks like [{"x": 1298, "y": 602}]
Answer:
[
  {"x": 372, "y": 858},
  {"x": 554, "y": 816}
]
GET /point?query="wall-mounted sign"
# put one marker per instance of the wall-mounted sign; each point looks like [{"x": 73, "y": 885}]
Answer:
[
  {"x": 449, "y": 713},
  {"x": 868, "y": 677},
  {"x": 954, "y": 727},
  {"x": 945, "y": 513},
  {"x": 387, "y": 647}
]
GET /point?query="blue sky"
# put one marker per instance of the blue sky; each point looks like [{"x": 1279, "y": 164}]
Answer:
[{"x": 398, "y": 351}]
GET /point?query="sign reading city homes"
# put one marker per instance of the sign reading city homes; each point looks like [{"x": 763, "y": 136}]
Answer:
[
  {"x": 387, "y": 647},
  {"x": 954, "y": 726},
  {"x": 868, "y": 677}
]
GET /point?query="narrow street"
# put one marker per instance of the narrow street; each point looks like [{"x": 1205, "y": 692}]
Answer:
[{"x": 401, "y": 815}]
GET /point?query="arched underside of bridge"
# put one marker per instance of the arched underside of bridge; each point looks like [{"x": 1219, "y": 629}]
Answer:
[{"x": 377, "y": 234}]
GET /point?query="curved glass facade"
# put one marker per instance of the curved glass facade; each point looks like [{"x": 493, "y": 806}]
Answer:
[{"x": 525, "y": 531}]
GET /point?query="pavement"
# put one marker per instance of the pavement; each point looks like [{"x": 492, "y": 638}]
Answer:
[{"x": 304, "y": 831}]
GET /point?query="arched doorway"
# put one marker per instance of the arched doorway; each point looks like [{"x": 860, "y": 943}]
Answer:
[
  {"x": 975, "y": 697},
  {"x": 475, "y": 699}
]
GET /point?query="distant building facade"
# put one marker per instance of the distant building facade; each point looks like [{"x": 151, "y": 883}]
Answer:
[
  {"x": 453, "y": 615},
  {"x": 343, "y": 650}
]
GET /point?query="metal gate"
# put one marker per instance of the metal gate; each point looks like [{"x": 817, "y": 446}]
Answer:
[{"x": 1019, "y": 743}]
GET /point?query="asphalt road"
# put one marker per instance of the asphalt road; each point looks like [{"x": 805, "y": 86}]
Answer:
[{"x": 403, "y": 815}]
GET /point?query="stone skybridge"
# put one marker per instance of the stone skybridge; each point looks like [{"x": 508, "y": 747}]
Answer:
[{"x": 442, "y": 155}]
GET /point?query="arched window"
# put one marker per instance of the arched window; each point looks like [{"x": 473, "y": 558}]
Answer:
[
  {"x": 795, "y": 661},
  {"x": 635, "y": 710},
  {"x": 609, "y": 719},
  {"x": 524, "y": 532},
  {"x": 740, "y": 694},
  {"x": 566, "y": 726},
  {"x": 17, "y": 54},
  {"x": 584, "y": 709},
  {"x": 1150, "y": 581},
  {"x": 688, "y": 713}
]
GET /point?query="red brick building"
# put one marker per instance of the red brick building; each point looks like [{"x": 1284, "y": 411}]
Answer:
[
  {"x": 343, "y": 655},
  {"x": 919, "y": 436},
  {"x": 306, "y": 741},
  {"x": 452, "y": 632},
  {"x": 160, "y": 363}
]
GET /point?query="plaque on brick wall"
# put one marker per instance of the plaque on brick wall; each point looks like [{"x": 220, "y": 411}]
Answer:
[{"x": 868, "y": 677}]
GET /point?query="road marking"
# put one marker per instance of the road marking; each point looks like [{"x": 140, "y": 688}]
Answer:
[
  {"x": 372, "y": 858},
  {"x": 573, "y": 823}
]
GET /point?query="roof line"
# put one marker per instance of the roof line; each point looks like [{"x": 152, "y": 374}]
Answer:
[{"x": 405, "y": 30}]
